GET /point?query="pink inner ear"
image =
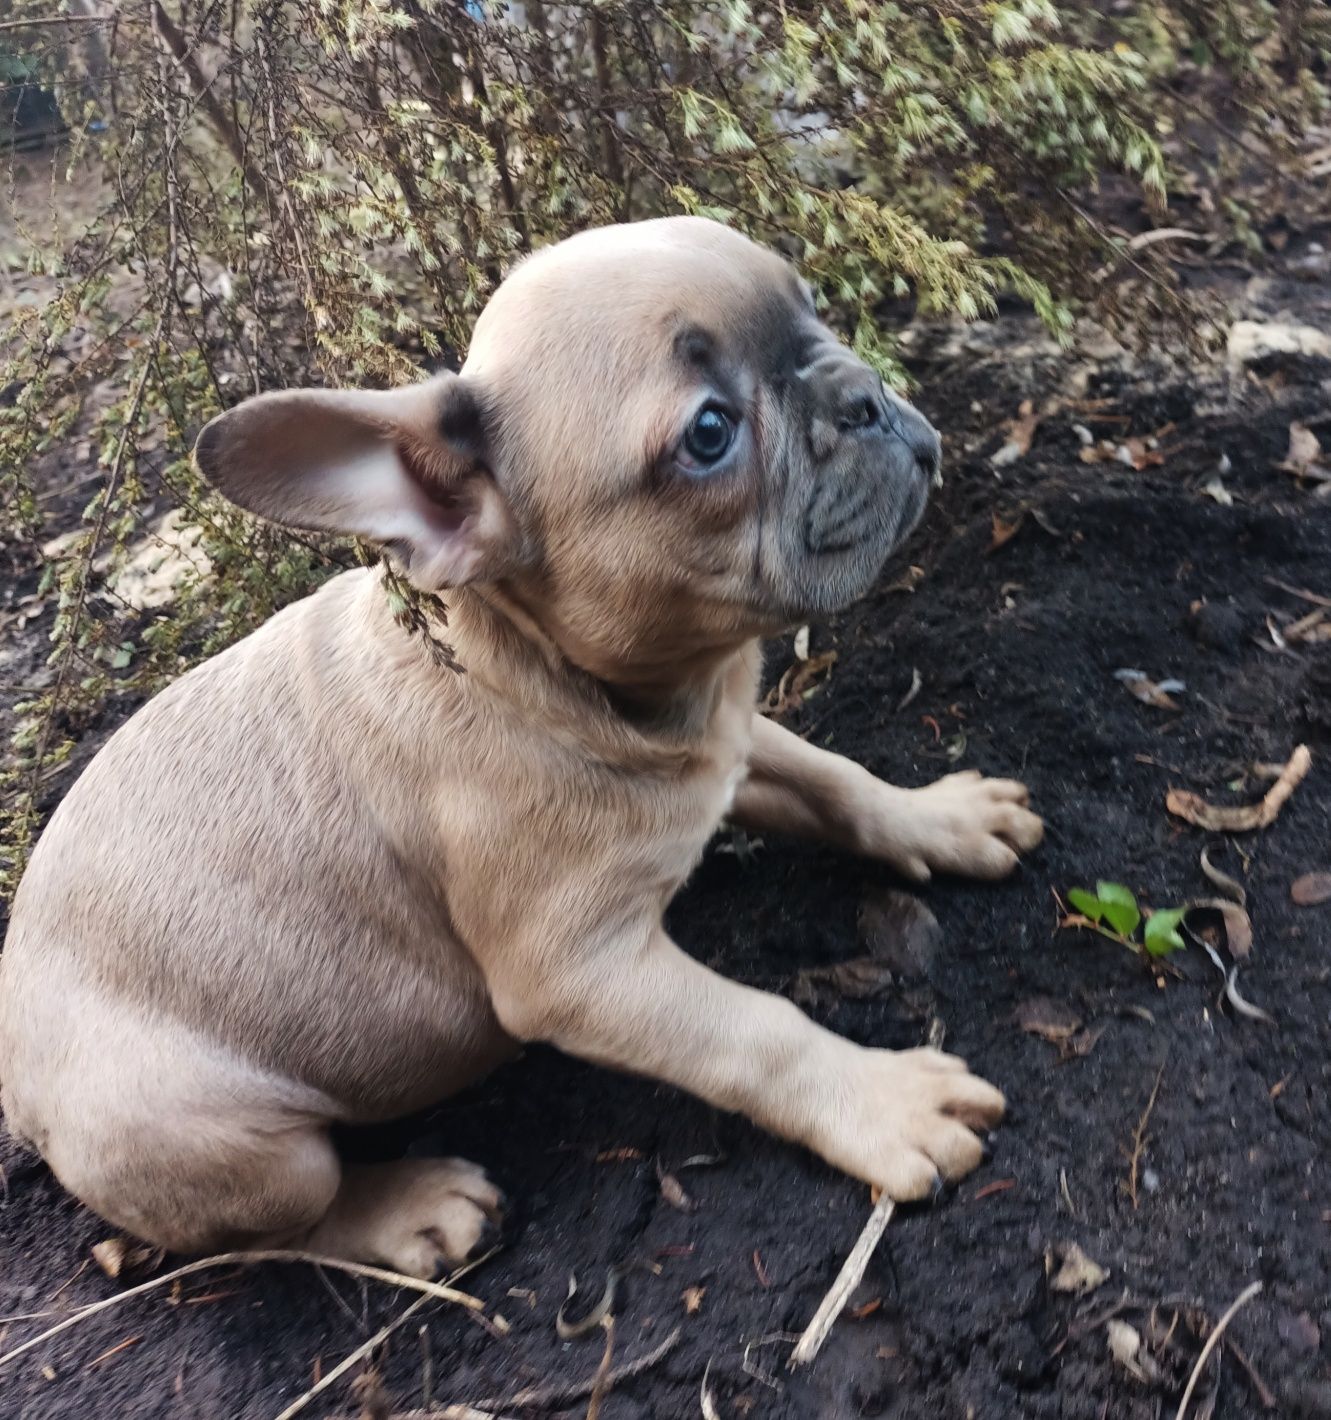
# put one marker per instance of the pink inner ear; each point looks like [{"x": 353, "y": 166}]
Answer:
[{"x": 438, "y": 484}]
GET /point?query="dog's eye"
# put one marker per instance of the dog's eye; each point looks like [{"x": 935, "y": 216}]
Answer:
[{"x": 709, "y": 436}]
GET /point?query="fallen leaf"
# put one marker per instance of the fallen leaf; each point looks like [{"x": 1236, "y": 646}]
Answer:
[
  {"x": 119, "y": 1257},
  {"x": 1020, "y": 433},
  {"x": 692, "y": 1298},
  {"x": 1125, "y": 1346},
  {"x": 1151, "y": 692},
  {"x": 1311, "y": 890},
  {"x": 674, "y": 1194},
  {"x": 1236, "y": 922},
  {"x": 860, "y": 979},
  {"x": 1194, "y": 809},
  {"x": 901, "y": 932},
  {"x": 1304, "y": 454},
  {"x": 1049, "y": 1019},
  {"x": 1215, "y": 488},
  {"x": 868, "y": 1309},
  {"x": 1227, "y": 886},
  {"x": 624, "y": 1155},
  {"x": 1004, "y": 532},
  {"x": 1077, "y": 1274},
  {"x": 800, "y": 680}
]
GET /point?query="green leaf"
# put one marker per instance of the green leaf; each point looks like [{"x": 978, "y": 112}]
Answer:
[
  {"x": 1086, "y": 903},
  {"x": 1119, "y": 907},
  {"x": 1161, "y": 935}
]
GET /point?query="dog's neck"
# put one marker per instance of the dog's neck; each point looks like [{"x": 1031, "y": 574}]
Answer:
[{"x": 674, "y": 708}]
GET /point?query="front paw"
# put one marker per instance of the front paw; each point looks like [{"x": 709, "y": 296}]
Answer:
[
  {"x": 968, "y": 825},
  {"x": 906, "y": 1121}
]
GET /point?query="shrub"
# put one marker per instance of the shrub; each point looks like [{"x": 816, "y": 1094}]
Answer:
[{"x": 304, "y": 190}]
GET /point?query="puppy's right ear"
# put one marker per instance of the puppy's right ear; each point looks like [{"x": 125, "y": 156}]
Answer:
[{"x": 407, "y": 469}]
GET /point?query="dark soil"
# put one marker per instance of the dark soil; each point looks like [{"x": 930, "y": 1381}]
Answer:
[{"x": 1016, "y": 649}]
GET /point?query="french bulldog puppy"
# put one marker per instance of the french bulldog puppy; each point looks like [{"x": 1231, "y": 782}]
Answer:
[{"x": 322, "y": 878}]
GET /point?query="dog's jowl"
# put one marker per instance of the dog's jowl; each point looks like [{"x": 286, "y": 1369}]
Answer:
[{"x": 323, "y": 878}]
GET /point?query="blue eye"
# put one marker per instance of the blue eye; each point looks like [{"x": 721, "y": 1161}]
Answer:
[{"x": 710, "y": 435}]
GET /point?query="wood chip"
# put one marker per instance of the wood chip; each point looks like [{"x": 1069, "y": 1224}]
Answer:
[{"x": 1311, "y": 890}]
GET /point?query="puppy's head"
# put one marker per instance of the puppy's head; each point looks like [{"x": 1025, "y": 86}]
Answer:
[{"x": 655, "y": 446}]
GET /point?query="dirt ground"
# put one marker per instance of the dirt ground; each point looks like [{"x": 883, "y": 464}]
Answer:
[{"x": 1015, "y": 648}]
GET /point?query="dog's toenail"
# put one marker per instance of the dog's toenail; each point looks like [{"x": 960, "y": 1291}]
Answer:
[
  {"x": 940, "y": 1187},
  {"x": 488, "y": 1238}
]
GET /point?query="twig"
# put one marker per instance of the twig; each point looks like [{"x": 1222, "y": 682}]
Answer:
[
  {"x": 343, "y": 1366},
  {"x": 1264, "y": 1392},
  {"x": 1139, "y": 1138},
  {"x": 852, "y": 1272},
  {"x": 1242, "y": 1300},
  {"x": 231, "y": 1259},
  {"x": 554, "y": 1396},
  {"x": 601, "y": 1381}
]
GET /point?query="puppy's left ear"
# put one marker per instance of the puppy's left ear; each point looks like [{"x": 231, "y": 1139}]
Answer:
[{"x": 406, "y": 469}]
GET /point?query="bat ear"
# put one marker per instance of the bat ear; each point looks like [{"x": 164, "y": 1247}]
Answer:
[{"x": 407, "y": 469}]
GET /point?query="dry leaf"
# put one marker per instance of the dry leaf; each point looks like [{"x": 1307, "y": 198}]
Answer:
[
  {"x": 1237, "y": 924},
  {"x": 1230, "y": 887},
  {"x": 692, "y": 1298},
  {"x": 900, "y": 932},
  {"x": 1004, "y": 532},
  {"x": 1077, "y": 1275},
  {"x": 861, "y": 979},
  {"x": 800, "y": 680},
  {"x": 624, "y": 1155},
  {"x": 1311, "y": 890},
  {"x": 673, "y": 1192},
  {"x": 1049, "y": 1019},
  {"x": 1150, "y": 692},
  {"x": 119, "y": 1257},
  {"x": 1125, "y": 1346},
  {"x": 1215, "y": 488},
  {"x": 1304, "y": 454},
  {"x": 1020, "y": 433},
  {"x": 1194, "y": 809}
]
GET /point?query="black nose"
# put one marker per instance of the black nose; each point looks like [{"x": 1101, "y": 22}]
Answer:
[{"x": 915, "y": 431}]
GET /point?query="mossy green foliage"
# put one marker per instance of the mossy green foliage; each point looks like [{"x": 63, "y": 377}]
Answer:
[{"x": 303, "y": 190}]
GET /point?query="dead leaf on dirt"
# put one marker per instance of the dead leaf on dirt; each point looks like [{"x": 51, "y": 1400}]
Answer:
[
  {"x": 1004, "y": 531},
  {"x": 861, "y": 979},
  {"x": 1234, "y": 919},
  {"x": 1304, "y": 457},
  {"x": 674, "y": 1193},
  {"x": 1311, "y": 890},
  {"x": 1215, "y": 489},
  {"x": 1073, "y": 1272},
  {"x": 692, "y": 1299},
  {"x": 1191, "y": 807},
  {"x": 1051, "y": 1020},
  {"x": 1060, "y": 1025},
  {"x": 119, "y": 1257},
  {"x": 1307, "y": 630},
  {"x": 801, "y": 680},
  {"x": 624, "y": 1155},
  {"x": 900, "y": 932},
  {"x": 1151, "y": 692},
  {"x": 1020, "y": 432},
  {"x": 1224, "y": 884},
  {"x": 1125, "y": 1346},
  {"x": 1135, "y": 452}
]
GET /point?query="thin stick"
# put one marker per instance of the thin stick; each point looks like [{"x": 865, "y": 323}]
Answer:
[
  {"x": 850, "y": 1276},
  {"x": 555, "y": 1397},
  {"x": 232, "y": 1259},
  {"x": 1139, "y": 1139},
  {"x": 379, "y": 1337},
  {"x": 346, "y": 1364},
  {"x": 1212, "y": 1341}
]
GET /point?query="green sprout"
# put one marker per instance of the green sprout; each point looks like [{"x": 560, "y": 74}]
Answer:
[{"x": 1113, "y": 912}]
